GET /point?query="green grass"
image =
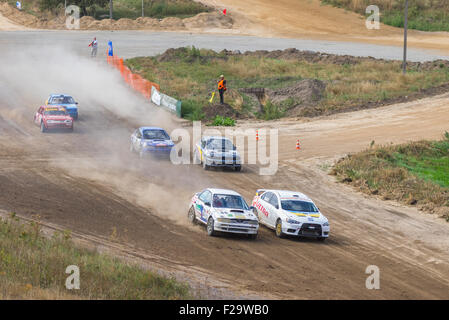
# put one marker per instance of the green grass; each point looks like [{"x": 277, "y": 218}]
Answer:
[
  {"x": 223, "y": 121},
  {"x": 190, "y": 74},
  {"x": 414, "y": 173},
  {"x": 424, "y": 15},
  {"x": 132, "y": 9},
  {"x": 33, "y": 266},
  {"x": 431, "y": 164}
]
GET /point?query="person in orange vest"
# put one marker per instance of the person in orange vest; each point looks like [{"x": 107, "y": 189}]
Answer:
[{"x": 221, "y": 88}]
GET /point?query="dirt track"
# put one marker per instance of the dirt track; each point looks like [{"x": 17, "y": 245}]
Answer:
[{"x": 89, "y": 182}]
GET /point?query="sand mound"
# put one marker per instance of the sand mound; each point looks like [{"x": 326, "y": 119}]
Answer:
[
  {"x": 172, "y": 23},
  {"x": 203, "y": 21},
  {"x": 224, "y": 110},
  {"x": 209, "y": 20}
]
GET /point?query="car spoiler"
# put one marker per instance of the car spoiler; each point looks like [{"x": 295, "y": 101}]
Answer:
[{"x": 259, "y": 192}]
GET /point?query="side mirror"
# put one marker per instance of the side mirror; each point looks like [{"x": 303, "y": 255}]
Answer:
[
  {"x": 251, "y": 208},
  {"x": 76, "y": 102},
  {"x": 207, "y": 204}
]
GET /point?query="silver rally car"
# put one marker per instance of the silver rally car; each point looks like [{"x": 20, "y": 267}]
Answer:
[
  {"x": 290, "y": 213},
  {"x": 217, "y": 152},
  {"x": 223, "y": 211}
]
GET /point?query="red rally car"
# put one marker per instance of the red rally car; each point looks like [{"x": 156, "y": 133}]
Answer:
[{"x": 53, "y": 117}]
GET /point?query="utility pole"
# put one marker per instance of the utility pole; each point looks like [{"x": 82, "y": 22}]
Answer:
[
  {"x": 110, "y": 9},
  {"x": 143, "y": 11},
  {"x": 404, "y": 62}
]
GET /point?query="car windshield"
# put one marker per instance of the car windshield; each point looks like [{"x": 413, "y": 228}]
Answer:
[
  {"x": 155, "y": 135},
  {"x": 296, "y": 205},
  {"x": 55, "y": 113},
  {"x": 229, "y": 201},
  {"x": 63, "y": 100},
  {"x": 220, "y": 144}
]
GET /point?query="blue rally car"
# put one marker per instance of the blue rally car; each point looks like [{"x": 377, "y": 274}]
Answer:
[
  {"x": 65, "y": 101},
  {"x": 152, "y": 141}
]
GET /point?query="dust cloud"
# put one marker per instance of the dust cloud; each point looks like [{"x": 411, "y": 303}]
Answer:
[{"x": 109, "y": 111}]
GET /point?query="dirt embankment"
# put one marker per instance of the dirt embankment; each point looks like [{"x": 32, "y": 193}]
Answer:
[{"x": 206, "y": 20}]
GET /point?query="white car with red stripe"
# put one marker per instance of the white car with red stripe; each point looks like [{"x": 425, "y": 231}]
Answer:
[
  {"x": 290, "y": 213},
  {"x": 223, "y": 210}
]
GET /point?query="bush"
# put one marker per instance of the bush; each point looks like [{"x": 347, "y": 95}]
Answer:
[
  {"x": 192, "y": 110},
  {"x": 272, "y": 111},
  {"x": 223, "y": 121}
]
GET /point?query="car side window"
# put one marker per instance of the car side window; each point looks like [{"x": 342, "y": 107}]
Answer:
[
  {"x": 206, "y": 197},
  {"x": 274, "y": 201},
  {"x": 138, "y": 134},
  {"x": 266, "y": 196},
  {"x": 203, "y": 144}
]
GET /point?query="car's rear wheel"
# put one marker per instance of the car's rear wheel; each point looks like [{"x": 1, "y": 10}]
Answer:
[
  {"x": 238, "y": 169},
  {"x": 279, "y": 232},
  {"x": 210, "y": 227},
  {"x": 191, "y": 215},
  {"x": 43, "y": 129}
]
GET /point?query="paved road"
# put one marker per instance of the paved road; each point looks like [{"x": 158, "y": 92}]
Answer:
[{"x": 143, "y": 43}]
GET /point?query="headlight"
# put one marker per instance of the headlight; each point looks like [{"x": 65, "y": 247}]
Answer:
[
  {"x": 326, "y": 224},
  {"x": 253, "y": 222},
  {"x": 68, "y": 121},
  {"x": 291, "y": 221}
]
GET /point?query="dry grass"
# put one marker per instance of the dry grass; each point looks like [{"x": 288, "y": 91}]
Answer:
[
  {"x": 425, "y": 15},
  {"x": 349, "y": 86},
  {"x": 33, "y": 267},
  {"x": 416, "y": 173}
]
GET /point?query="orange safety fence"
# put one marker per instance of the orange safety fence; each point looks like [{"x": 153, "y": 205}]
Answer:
[{"x": 134, "y": 80}]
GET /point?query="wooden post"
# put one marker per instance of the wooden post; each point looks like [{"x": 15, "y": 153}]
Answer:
[{"x": 404, "y": 62}]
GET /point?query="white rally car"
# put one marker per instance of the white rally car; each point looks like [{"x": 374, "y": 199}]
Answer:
[
  {"x": 223, "y": 211},
  {"x": 217, "y": 152},
  {"x": 290, "y": 213}
]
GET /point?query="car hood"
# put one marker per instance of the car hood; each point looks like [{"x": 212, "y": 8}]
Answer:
[
  {"x": 159, "y": 143},
  {"x": 305, "y": 216},
  {"x": 220, "y": 154},
  {"x": 234, "y": 213}
]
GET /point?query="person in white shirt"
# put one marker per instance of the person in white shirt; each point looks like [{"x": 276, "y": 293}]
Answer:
[{"x": 94, "y": 45}]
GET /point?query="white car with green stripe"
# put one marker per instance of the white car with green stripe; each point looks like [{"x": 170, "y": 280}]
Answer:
[
  {"x": 223, "y": 210},
  {"x": 290, "y": 213}
]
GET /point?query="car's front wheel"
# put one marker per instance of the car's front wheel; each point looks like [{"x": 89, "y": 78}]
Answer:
[
  {"x": 210, "y": 227},
  {"x": 191, "y": 215},
  {"x": 238, "y": 169},
  {"x": 43, "y": 129},
  {"x": 205, "y": 166},
  {"x": 321, "y": 238},
  {"x": 252, "y": 236},
  {"x": 279, "y": 232}
]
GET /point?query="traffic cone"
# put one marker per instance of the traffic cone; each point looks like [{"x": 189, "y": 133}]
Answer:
[
  {"x": 298, "y": 147},
  {"x": 257, "y": 135}
]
